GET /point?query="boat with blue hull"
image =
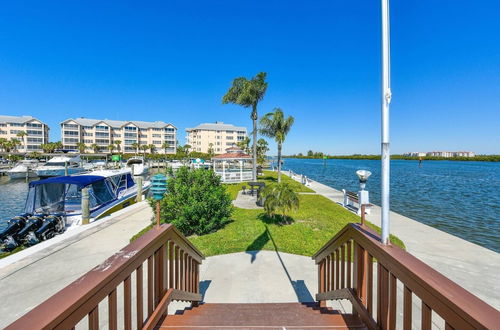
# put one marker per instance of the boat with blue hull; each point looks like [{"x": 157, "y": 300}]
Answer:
[{"x": 54, "y": 205}]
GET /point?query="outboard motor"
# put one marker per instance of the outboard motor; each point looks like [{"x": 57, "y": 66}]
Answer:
[
  {"x": 32, "y": 224},
  {"x": 13, "y": 226},
  {"x": 52, "y": 225},
  {"x": 7, "y": 236}
]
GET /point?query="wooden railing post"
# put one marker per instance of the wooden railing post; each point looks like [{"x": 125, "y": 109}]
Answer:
[
  {"x": 360, "y": 272},
  {"x": 321, "y": 280}
]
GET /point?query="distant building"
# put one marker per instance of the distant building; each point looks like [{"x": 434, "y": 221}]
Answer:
[
  {"x": 217, "y": 135},
  {"x": 415, "y": 154},
  {"x": 445, "y": 154},
  {"x": 37, "y": 132},
  {"x": 449, "y": 154},
  {"x": 104, "y": 133}
]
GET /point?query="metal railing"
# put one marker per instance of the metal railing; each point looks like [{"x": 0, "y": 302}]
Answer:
[
  {"x": 158, "y": 267},
  {"x": 346, "y": 267}
]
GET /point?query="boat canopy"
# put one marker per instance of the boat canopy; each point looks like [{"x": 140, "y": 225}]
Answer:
[{"x": 79, "y": 180}]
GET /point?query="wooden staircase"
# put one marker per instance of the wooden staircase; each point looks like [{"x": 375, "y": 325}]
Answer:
[{"x": 260, "y": 316}]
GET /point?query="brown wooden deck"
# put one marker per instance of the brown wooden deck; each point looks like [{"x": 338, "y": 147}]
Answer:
[{"x": 258, "y": 316}]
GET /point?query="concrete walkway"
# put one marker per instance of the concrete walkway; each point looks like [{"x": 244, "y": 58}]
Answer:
[
  {"x": 31, "y": 280},
  {"x": 474, "y": 267},
  {"x": 246, "y": 201}
]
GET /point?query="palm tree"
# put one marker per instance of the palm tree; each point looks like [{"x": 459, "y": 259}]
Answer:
[
  {"x": 81, "y": 147},
  {"x": 136, "y": 146},
  {"x": 280, "y": 198},
  {"x": 211, "y": 152},
  {"x": 244, "y": 144},
  {"x": 262, "y": 148},
  {"x": 111, "y": 147},
  {"x": 14, "y": 143},
  {"x": 21, "y": 135},
  {"x": 3, "y": 143},
  {"x": 276, "y": 126},
  {"x": 152, "y": 148},
  {"x": 248, "y": 93},
  {"x": 165, "y": 146},
  {"x": 118, "y": 145},
  {"x": 95, "y": 147},
  {"x": 144, "y": 148}
]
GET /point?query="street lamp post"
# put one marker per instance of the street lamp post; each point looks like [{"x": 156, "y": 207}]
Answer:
[
  {"x": 386, "y": 100},
  {"x": 363, "y": 197}
]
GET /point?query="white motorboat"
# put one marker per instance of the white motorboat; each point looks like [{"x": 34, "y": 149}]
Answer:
[
  {"x": 61, "y": 165},
  {"x": 23, "y": 169},
  {"x": 138, "y": 166},
  {"x": 54, "y": 205}
]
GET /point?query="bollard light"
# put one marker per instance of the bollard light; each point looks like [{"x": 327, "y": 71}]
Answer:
[
  {"x": 363, "y": 176},
  {"x": 158, "y": 186},
  {"x": 158, "y": 189}
]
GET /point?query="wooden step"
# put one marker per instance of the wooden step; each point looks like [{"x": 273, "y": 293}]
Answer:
[{"x": 262, "y": 316}]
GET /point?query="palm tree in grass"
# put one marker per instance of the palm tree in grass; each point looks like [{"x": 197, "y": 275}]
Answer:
[
  {"x": 21, "y": 135},
  {"x": 118, "y": 145},
  {"x": 151, "y": 148},
  {"x": 81, "y": 147},
  {"x": 280, "y": 199},
  {"x": 144, "y": 148},
  {"x": 248, "y": 93},
  {"x": 3, "y": 143},
  {"x": 276, "y": 126},
  {"x": 165, "y": 146}
]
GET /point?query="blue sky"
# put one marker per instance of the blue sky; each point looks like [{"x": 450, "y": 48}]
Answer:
[{"x": 174, "y": 60}]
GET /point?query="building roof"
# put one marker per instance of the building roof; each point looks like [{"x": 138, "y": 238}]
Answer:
[
  {"x": 217, "y": 126},
  {"x": 16, "y": 119},
  {"x": 119, "y": 123},
  {"x": 233, "y": 153}
]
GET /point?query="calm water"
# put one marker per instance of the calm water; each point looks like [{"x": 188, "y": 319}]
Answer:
[{"x": 461, "y": 198}]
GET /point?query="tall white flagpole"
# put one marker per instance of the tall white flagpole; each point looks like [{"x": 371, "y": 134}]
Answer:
[{"x": 386, "y": 99}]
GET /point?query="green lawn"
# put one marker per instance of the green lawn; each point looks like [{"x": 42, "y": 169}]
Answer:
[{"x": 315, "y": 222}]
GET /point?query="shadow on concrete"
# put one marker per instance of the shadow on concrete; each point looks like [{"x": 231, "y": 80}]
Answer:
[
  {"x": 204, "y": 287},
  {"x": 257, "y": 245},
  {"x": 299, "y": 286}
]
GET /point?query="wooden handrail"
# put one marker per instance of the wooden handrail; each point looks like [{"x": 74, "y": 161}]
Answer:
[
  {"x": 70, "y": 305},
  {"x": 459, "y": 308}
]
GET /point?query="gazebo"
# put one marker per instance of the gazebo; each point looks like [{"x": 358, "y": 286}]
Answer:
[{"x": 233, "y": 166}]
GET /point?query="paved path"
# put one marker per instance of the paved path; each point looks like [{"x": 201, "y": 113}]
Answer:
[
  {"x": 475, "y": 268},
  {"x": 31, "y": 280},
  {"x": 246, "y": 201}
]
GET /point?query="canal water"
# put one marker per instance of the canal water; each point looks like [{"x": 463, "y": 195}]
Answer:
[{"x": 461, "y": 198}]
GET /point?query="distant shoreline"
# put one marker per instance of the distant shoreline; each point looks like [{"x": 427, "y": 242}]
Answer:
[{"x": 479, "y": 158}]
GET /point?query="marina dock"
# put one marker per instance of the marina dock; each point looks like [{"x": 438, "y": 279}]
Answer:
[{"x": 27, "y": 278}]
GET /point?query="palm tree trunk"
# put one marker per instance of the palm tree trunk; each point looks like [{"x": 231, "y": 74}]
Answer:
[
  {"x": 254, "y": 145},
  {"x": 279, "y": 162}
]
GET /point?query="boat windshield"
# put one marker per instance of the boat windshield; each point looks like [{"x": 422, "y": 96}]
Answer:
[{"x": 53, "y": 198}]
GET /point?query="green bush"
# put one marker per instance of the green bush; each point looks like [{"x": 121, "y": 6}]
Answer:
[{"x": 196, "y": 202}]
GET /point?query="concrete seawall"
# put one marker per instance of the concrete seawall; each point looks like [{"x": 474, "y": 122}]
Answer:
[
  {"x": 31, "y": 276},
  {"x": 474, "y": 267}
]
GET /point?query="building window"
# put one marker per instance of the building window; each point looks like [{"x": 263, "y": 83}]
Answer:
[
  {"x": 87, "y": 127},
  {"x": 88, "y": 134},
  {"x": 130, "y": 135},
  {"x": 229, "y": 137},
  {"x": 88, "y": 141},
  {"x": 169, "y": 129},
  {"x": 31, "y": 132},
  {"x": 157, "y": 129},
  {"x": 73, "y": 133},
  {"x": 70, "y": 140},
  {"x": 16, "y": 125},
  {"x": 102, "y": 128},
  {"x": 101, "y": 134},
  {"x": 129, "y": 142},
  {"x": 102, "y": 141},
  {"x": 130, "y": 128},
  {"x": 15, "y": 131},
  {"x": 34, "y": 147},
  {"x": 34, "y": 140},
  {"x": 156, "y": 142},
  {"x": 143, "y": 129},
  {"x": 157, "y": 135},
  {"x": 169, "y": 136},
  {"x": 116, "y": 135},
  {"x": 142, "y": 136},
  {"x": 241, "y": 138},
  {"x": 241, "y": 132},
  {"x": 33, "y": 125},
  {"x": 73, "y": 126}
]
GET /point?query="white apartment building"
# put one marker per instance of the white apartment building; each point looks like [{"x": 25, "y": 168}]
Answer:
[
  {"x": 104, "y": 132},
  {"x": 37, "y": 132},
  {"x": 446, "y": 154},
  {"x": 217, "y": 135}
]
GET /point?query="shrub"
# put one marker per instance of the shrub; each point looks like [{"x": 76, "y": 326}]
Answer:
[
  {"x": 280, "y": 198},
  {"x": 196, "y": 202}
]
